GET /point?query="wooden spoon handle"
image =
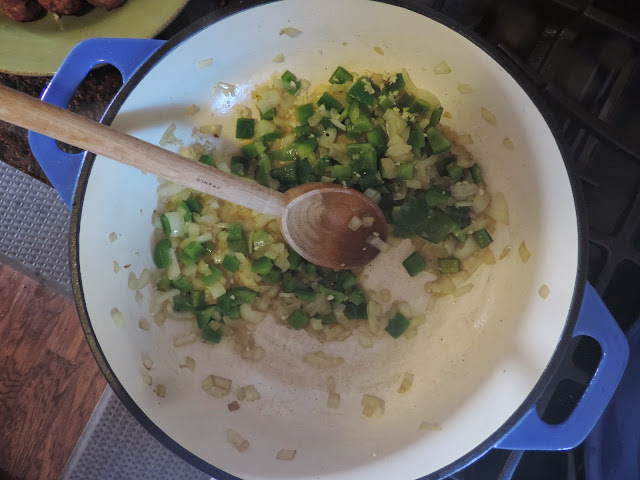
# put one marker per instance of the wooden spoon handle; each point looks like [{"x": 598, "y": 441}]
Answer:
[{"x": 33, "y": 114}]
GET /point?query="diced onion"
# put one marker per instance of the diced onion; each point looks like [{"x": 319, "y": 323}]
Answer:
[
  {"x": 116, "y": 267},
  {"x": 237, "y": 440},
  {"x": 327, "y": 138},
  {"x": 487, "y": 116},
  {"x": 251, "y": 394},
  {"x": 374, "y": 195},
  {"x": 443, "y": 286},
  {"x": 481, "y": 202},
  {"x": 139, "y": 297},
  {"x": 465, "y": 139},
  {"x": 290, "y": 31},
  {"x": 463, "y": 290},
  {"x": 192, "y": 109},
  {"x": 228, "y": 89},
  {"x": 463, "y": 190},
  {"x": 525, "y": 255},
  {"x": 147, "y": 363},
  {"x": 378, "y": 50},
  {"x": 144, "y": 324},
  {"x": 442, "y": 68},
  {"x": 378, "y": 243},
  {"x": 333, "y": 400},
  {"x": 498, "y": 209},
  {"x": 136, "y": 283},
  {"x": 118, "y": 318},
  {"x": 372, "y": 406},
  {"x": 190, "y": 363},
  {"x": 508, "y": 144},
  {"x": 184, "y": 340},
  {"x": 322, "y": 360},
  {"x": 465, "y": 88},
  {"x": 426, "y": 426},
  {"x": 365, "y": 341},
  {"x": 113, "y": 237},
  {"x": 286, "y": 454},
  {"x": 251, "y": 315},
  {"x": 146, "y": 378},
  {"x": 161, "y": 390},
  {"x": 407, "y": 382},
  {"x": 205, "y": 62},
  {"x": 355, "y": 223},
  {"x": 168, "y": 137},
  {"x": 544, "y": 291},
  {"x": 279, "y": 58}
]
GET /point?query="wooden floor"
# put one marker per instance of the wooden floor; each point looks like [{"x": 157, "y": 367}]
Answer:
[{"x": 49, "y": 381}]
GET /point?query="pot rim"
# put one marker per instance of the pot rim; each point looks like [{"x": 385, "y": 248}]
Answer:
[{"x": 417, "y": 7}]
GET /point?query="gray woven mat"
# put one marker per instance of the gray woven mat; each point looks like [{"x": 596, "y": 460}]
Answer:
[{"x": 34, "y": 239}]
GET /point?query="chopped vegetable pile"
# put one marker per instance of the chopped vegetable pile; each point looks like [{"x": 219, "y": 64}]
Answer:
[{"x": 227, "y": 266}]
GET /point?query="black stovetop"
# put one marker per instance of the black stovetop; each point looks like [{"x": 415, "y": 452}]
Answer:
[{"x": 584, "y": 56}]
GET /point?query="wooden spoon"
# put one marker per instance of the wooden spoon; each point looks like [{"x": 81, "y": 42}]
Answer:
[{"x": 314, "y": 217}]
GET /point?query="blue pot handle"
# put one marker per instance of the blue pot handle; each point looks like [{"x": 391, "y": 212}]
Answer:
[
  {"x": 595, "y": 321},
  {"x": 126, "y": 54}
]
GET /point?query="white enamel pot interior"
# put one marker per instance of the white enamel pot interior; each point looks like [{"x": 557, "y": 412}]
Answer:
[{"x": 476, "y": 361}]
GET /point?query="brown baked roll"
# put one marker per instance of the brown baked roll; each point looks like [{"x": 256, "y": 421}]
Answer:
[
  {"x": 21, "y": 10},
  {"x": 62, "y": 7},
  {"x": 107, "y": 4}
]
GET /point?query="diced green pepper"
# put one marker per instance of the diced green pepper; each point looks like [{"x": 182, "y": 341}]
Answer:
[
  {"x": 163, "y": 284},
  {"x": 397, "y": 325},
  {"x": 287, "y": 154},
  {"x": 340, "y": 76},
  {"x": 182, "y": 304},
  {"x": 396, "y": 85},
  {"x": 305, "y": 294},
  {"x": 302, "y": 130},
  {"x": 308, "y": 268},
  {"x": 324, "y": 162},
  {"x": 263, "y": 171},
  {"x": 262, "y": 265},
  {"x": 290, "y": 83},
  {"x": 357, "y": 296},
  {"x": 332, "y": 295},
  {"x": 346, "y": 280},
  {"x": 194, "y": 206},
  {"x": 240, "y": 295},
  {"x": 289, "y": 283},
  {"x": 356, "y": 312},
  {"x": 271, "y": 136},
  {"x": 362, "y": 91},
  {"x": 437, "y": 226},
  {"x": 304, "y": 112},
  {"x": 286, "y": 174},
  {"x": 182, "y": 283},
  {"x": 328, "y": 319},
  {"x": 274, "y": 276},
  {"x": 166, "y": 224},
  {"x": 197, "y": 299},
  {"x": 363, "y": 157},
  {"x": 370, "y": 179},
  {"x": 191, "y": 253},
  {"x": 342, "y": 173},
  {"x": 206, "y": 314},
  {"x": 449, "y": 265},
  {"x": 231, "y": 263},
  {"x": 417, "y": 141},
  {"x": 162, "y": 253},
  {"x": 245, "y": 128},
  {"x": 405, "y": 171},
  {"x": 476, "y": 173},
  {"x": 183, "y": 209},
  {"x": 455, "y": 172},
  {"x": 460, "y": 216},
  {"x": 305, "y": 171},
  {"x": 305, "y": 146},
  {"x": 206, "y": 159},
  {"x": 414, "y": 264},
  {"x": 212, "y": 278},
  {"x": 234, "y": 232},
  {"x": 385, "y": 102},
  {"x": 268, "y": 115},
  {"x": 459, "y": 235},
  {"x": 378, "y": 138},
  {"x": 437, "y": 141},
  {"x": 329, "y": 102},
  {"x": 441, "y": 165},
  {"x": 211, "y": 335},
  {"x": 252, "y": 150},
  {"x": 435, "y": 196},
  {"x": 482, "y": 237},
  {"x": 239, "y": 246},
  {"x": 298, "y": 319},
  {"x": 295, "y": 260},
  {"x": 419, "y": 106},
  {"x": 435, "y": 116},
  {"x": 405, "y": 100},
  {"x": 261, "y": 239},
  {"x": 239, "y": 166}
]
